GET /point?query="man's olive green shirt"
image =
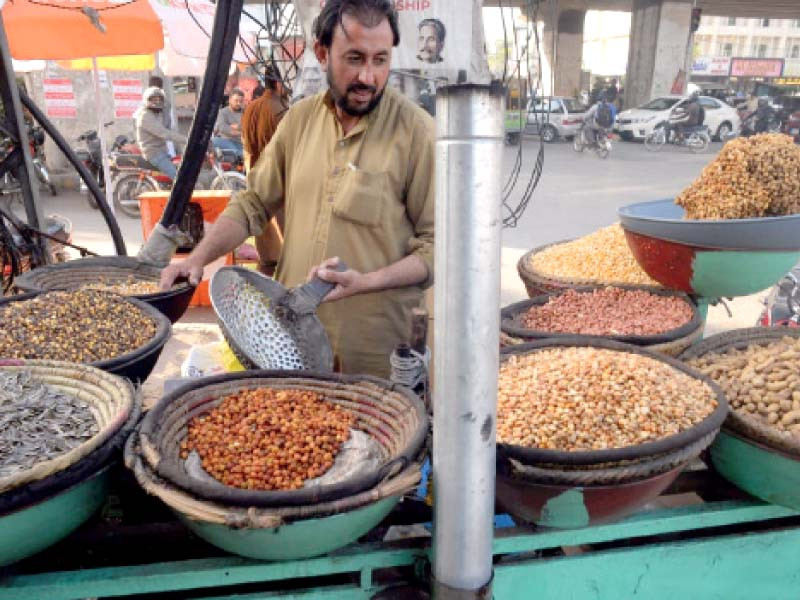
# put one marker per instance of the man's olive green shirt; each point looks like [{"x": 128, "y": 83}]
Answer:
[{"x": 366, "y": 197}]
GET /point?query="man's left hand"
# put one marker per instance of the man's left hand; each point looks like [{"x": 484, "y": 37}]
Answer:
[{"x": 348, "y": 283}]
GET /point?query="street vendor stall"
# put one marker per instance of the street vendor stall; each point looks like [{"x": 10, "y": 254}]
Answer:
[{"x": 572, "y": 464}]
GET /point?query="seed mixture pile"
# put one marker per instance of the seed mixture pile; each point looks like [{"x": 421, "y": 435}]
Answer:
[
  {"x": 751, "y": 177},
  {"x": 602, "y": 257},
  {"x": 81, "y": 326},
  {"x": 608, "y": 311},
  {"x": 38, "y": 422},
  {"x": 268, "y": 439},
  {"x": 130, "y": 286},
  {"x": 574, "y": 399},
  {"x": 762, "y": 381}
]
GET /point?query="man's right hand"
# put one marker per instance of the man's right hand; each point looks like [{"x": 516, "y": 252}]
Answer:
[{"x": 185, "y": 268}]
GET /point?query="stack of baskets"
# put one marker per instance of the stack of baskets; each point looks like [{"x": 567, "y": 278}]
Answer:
[
  {"x": 66, "y": 490},
  {"x": 672, "y": 342},
  {"x": 749, "y": 452},
  {"x": 574, "y": 489},
  {"x": 283, "y": 524}
]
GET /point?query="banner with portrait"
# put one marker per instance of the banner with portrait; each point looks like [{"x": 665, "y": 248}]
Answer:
[{"x": 434, "y": 35}]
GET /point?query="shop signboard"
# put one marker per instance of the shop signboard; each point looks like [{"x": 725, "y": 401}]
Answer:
[
  {"x": 127, "y": 97},
  {"x": 433, "y": 35},
  {"x": 59, "y": 98},
  {"x": 791, "y": 67},
  {"x": 756, "y": 67},
  {"x": 714, "y": 66}
]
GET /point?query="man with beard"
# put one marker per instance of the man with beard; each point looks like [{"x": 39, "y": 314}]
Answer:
[
  {"x": 229, "y": 123},
  {"x": 152, "y": 136},
  {"x": 353, "y": 167}
]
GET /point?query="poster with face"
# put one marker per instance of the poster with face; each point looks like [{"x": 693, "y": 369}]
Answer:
[{"x": 434, "y": 35}]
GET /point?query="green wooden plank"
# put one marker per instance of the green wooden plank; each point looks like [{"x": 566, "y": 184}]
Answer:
[
  {"x": 338, "y": 592},
  {"x": 756, "y": 566},
  {"x": 686, "y": 518},
  {"x": 196, "y": 574}
]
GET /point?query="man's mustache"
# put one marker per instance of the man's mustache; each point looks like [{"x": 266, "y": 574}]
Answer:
[{"x": 361, "y": 88}]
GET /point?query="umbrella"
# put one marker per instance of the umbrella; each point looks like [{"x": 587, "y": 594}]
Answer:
[{"x": 62, "y": 30}]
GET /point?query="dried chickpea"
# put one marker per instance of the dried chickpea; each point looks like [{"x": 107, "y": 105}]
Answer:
[{"x": 269, "y": 439}]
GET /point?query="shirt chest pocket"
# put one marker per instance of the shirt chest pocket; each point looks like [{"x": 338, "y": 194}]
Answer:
[{"x": 362, "y": 198}]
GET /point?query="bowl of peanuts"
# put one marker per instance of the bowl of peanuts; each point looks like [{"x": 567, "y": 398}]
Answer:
[
  {"x": 589, "y": 430},
  {"x": 661, "y": 320},
  {"x": 274, "y": 452},
  {"x": 758, "y": 449},
  {"x": 123, "y": 275},
  {"x": 734, "y": 231}
]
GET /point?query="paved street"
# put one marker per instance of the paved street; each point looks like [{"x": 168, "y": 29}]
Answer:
[{"x": 577, "y": 194}]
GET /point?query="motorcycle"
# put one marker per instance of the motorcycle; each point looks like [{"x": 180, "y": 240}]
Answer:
[
  {"x": 91, "y": 156},
  {"x": 782, "y": 304},
  {"x": 750, "y": 125},
  {"x": 696, "y": 138},
  {"x": 222, "y": 170},
  {"x": 601, "y": 144},
  {"x": 9, "y": 186}
]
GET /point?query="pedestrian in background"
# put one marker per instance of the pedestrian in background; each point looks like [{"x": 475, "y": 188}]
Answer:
[
  {"x": 259, "y": 122},
  {"x": 228, "y": 128}
]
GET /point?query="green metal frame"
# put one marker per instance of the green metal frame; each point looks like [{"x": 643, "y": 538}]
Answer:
[{"x": 707, "y": 563}]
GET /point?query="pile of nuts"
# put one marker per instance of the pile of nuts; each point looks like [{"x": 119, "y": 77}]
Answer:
[
  {"x": 82, "y": 326},
  {"x": 268, "y": 439},
  {"x": 602, "y": 257},
  {"x": 608, "y": 311},
  {"x": 125, "y": 287},
  {"x": 572, "y": 399},
  {"x": 762, "y": 381},
  {"x": 751, "y": 177}
]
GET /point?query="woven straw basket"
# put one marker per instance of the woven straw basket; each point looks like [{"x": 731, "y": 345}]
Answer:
[
  {"x": 393, "y": 416},
  {"x": 110, "y": 400},
  {"x": 538, "y": 284},
  {"x": 743, "y": 423}
]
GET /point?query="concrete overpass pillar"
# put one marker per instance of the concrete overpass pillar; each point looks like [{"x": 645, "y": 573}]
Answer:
[
  {"x": 568, "y": 52},
  {"x": 660, "y": 31}
]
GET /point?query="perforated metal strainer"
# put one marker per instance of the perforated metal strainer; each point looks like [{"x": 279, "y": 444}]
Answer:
[{"x": 268, "y": 326}]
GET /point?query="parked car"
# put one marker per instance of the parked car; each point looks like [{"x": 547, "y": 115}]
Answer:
[
  {"x": 638, "y": 123},
  {"x": 553, "y": 117}
]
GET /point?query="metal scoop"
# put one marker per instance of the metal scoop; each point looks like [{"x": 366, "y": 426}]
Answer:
[{"x": 268, "y": 326}]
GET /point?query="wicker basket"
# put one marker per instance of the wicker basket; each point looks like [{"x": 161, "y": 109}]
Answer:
[
  {"x": 110, "y": 400},
  {"x": 538, "y": 284},
  {"x": 392, "y": 415},
  {"x": 694, "y": 437},
  {"x": 200, "y": 509},
  {"x": 111, "y": 269},
  {"x": 671, "y": 342},
  {"x": 742, "y": 423}
]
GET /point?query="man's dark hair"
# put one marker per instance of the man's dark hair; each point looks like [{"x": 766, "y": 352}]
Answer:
[
  {"x": 368, "y": 12},
  {"x": 438, "y": 27},
  {"x": 155, "y": 81},
  {"x": 272, "y": 77},
  {"x": 258, "y": 91},
  {"x": 237, "y": 92}
]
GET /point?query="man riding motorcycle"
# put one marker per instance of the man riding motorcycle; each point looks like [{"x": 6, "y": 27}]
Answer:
[
  {"x": 152, "y": 136},
  {"x": 763, "y": 114},
  {"x": 689, "y": 115}
]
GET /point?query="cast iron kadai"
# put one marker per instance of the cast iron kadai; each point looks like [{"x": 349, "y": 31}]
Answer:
[{"x": 268, "y": 326}]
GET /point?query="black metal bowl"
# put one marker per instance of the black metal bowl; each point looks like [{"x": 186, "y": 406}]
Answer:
[
  {"x": 137, "y": 364},
  {"x": 708, "y": 425},
  {"x": 511, "y": 317},
  {"x": 111, "y": 269}
]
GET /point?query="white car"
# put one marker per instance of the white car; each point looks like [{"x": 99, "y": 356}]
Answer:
[{"x": 636, "y": 123}]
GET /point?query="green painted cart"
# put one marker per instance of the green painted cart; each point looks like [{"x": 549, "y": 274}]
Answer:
[{"x": 727, "y": 546}]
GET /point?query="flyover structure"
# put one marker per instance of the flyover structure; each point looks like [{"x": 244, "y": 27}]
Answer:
[{"x": 660, "y": 41}]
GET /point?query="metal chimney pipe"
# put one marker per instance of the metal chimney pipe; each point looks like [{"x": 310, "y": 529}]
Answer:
[{"x": 469, "y": 121}]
